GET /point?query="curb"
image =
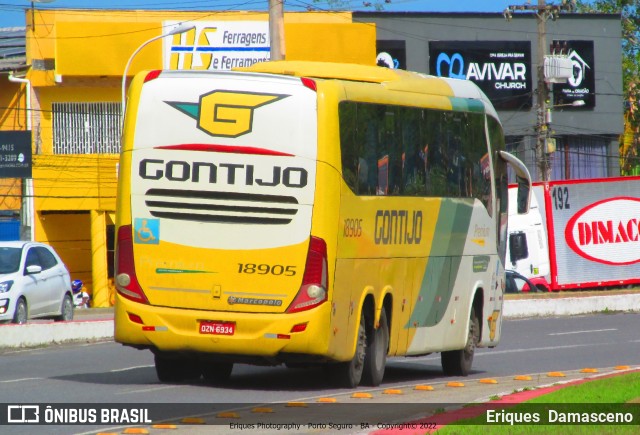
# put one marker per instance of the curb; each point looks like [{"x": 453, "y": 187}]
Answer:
[
  {"x": 38, "y": 334},
  {"x": 569, "y": 306}
]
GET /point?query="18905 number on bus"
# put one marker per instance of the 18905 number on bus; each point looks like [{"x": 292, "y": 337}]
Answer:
[{"x": 266, "y": 269}]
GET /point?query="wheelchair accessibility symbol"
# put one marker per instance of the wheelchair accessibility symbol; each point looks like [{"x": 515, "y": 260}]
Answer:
[{"x": 146, "y": 231}]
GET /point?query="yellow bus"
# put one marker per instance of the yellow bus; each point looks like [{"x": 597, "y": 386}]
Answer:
[{"x": 310, "y": 214}]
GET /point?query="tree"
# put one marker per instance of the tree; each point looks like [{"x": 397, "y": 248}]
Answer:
[{"x": 630, "y": 15}]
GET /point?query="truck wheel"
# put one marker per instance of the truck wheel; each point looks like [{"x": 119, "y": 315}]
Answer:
[
  {"x": 542, "y": 288},
  {"x": 348, "y": 374},
  {"x": 375, "y": 358},
  {"x": 458, "y": 362},
  {"x": 216, "y": 372}
]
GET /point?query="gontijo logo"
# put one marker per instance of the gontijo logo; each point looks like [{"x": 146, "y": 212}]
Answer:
[
  {"x": 607, "y": 231},
  {"x": 225, "y": 113}
]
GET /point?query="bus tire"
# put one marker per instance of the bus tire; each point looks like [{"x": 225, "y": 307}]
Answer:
[
  {"x": 349, "y": 374},
  {"x": 375, "y": 358},
  {"x": 458, "y": 362},
  {"x": 168, "y": 369},
  {"x": 216, "y": 372},
  {"x": 176, "y": 369}
]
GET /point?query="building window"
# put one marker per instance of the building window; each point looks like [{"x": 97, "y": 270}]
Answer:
[
  {"x": 579, "y": 157},
  {"x": 86, "y": 128}
]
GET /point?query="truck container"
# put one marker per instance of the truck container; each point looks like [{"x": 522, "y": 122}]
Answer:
[{"x": 592, "y": 230}]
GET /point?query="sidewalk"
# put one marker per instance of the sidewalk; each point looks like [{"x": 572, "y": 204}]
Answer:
[{"x": 571, "y": 303}]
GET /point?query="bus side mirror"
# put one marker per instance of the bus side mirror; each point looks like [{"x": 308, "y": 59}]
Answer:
[
  {"x": 523, "y": 178},
  {"x": 518, "y": 248}
]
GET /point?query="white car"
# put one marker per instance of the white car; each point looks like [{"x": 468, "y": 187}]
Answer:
[{"x": 34, "y": 283}]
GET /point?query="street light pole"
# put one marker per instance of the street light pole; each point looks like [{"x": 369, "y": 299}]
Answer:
[{"x": 176, "y": 30}]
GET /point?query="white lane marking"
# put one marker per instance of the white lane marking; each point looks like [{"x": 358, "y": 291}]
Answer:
[
  {"x": 19, "y": 380},
  {"x": 53, "y": 348},
  {"x": 492, "y": 352},
  {"x": 144, "y": 390},
  {"x": 535, "y": 349},
  {"x": 583, "y": 332},
  {"x": 131, "y": 368}
]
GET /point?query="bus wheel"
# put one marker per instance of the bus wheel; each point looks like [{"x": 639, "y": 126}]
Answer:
[
  {"x": 376, "y": 356},
  {"x": 458, "y": 362},
  {"x": 216, "y": 372},
  {"x": 348, "y": 374},
  {"x": 176, "y": 369}
]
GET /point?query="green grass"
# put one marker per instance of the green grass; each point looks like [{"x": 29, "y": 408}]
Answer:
[{"x": 597, "y": 396}]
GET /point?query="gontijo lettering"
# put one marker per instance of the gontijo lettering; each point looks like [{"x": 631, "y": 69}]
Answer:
[
  {"x": 230, "y": 173},
  {"x": 398, "y": 227}
]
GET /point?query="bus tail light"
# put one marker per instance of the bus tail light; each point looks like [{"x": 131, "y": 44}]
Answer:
[
  {"x": 313, "y": 290},
  {"x": 152, "y": 75},
  {"x": 126, "y": 279},
  {"x": 309, "y": 83}
]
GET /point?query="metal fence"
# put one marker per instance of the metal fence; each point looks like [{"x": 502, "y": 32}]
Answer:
[{"x": 86, "y": 128}]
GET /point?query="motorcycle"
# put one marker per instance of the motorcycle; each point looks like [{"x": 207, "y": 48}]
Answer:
[{"x": 81, "y": 298}]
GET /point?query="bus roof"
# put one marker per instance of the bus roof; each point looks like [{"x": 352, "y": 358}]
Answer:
[{"x": 392, "y": 79}]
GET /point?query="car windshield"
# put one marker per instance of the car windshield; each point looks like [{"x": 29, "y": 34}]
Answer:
[{"x": 9, "y": 259}]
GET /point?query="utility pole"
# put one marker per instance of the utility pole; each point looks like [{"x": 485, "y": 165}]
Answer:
[
  {"x": 543, "y": 12},
  {"x": 542, "y": 127},
  {"x": 276, "y": 29}
]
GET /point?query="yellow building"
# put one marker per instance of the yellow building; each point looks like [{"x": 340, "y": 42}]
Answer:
[{"x": 69, "y": 96}]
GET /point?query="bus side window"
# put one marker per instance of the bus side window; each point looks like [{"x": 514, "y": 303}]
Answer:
[
  {"x": 348, "y": 147},
  {"x": 389, "y": 150},
  {"x": 437, "y": 156},
  {"x": 413, "y": 153},
  {"x": 409, "y": 151},
  {"x": 372, "y": 118}
]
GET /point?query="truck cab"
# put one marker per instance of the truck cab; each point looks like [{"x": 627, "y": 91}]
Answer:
[{"x": 527, "y": 248}]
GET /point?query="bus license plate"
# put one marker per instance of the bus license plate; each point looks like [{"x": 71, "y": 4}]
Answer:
[{"x": 217, "y": 328}]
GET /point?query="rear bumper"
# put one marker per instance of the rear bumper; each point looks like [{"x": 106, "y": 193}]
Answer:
[{"x": 258, "y": 337}]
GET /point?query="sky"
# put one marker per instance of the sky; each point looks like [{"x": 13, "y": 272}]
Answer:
[{"x": 12, "y": 12}]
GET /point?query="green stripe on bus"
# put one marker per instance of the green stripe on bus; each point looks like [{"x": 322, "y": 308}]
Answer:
[
  {"x": 165, "y": 270},
  {"x": 443, "y": 264},
  {"x": 466, "y": 105}
]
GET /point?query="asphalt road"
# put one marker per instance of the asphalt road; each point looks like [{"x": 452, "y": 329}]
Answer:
[{"x": 108, "y": 373}]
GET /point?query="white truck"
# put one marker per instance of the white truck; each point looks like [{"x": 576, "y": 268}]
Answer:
[
  {"x": 527, "y": 248},
  {"x": 591, "y": 234}
]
